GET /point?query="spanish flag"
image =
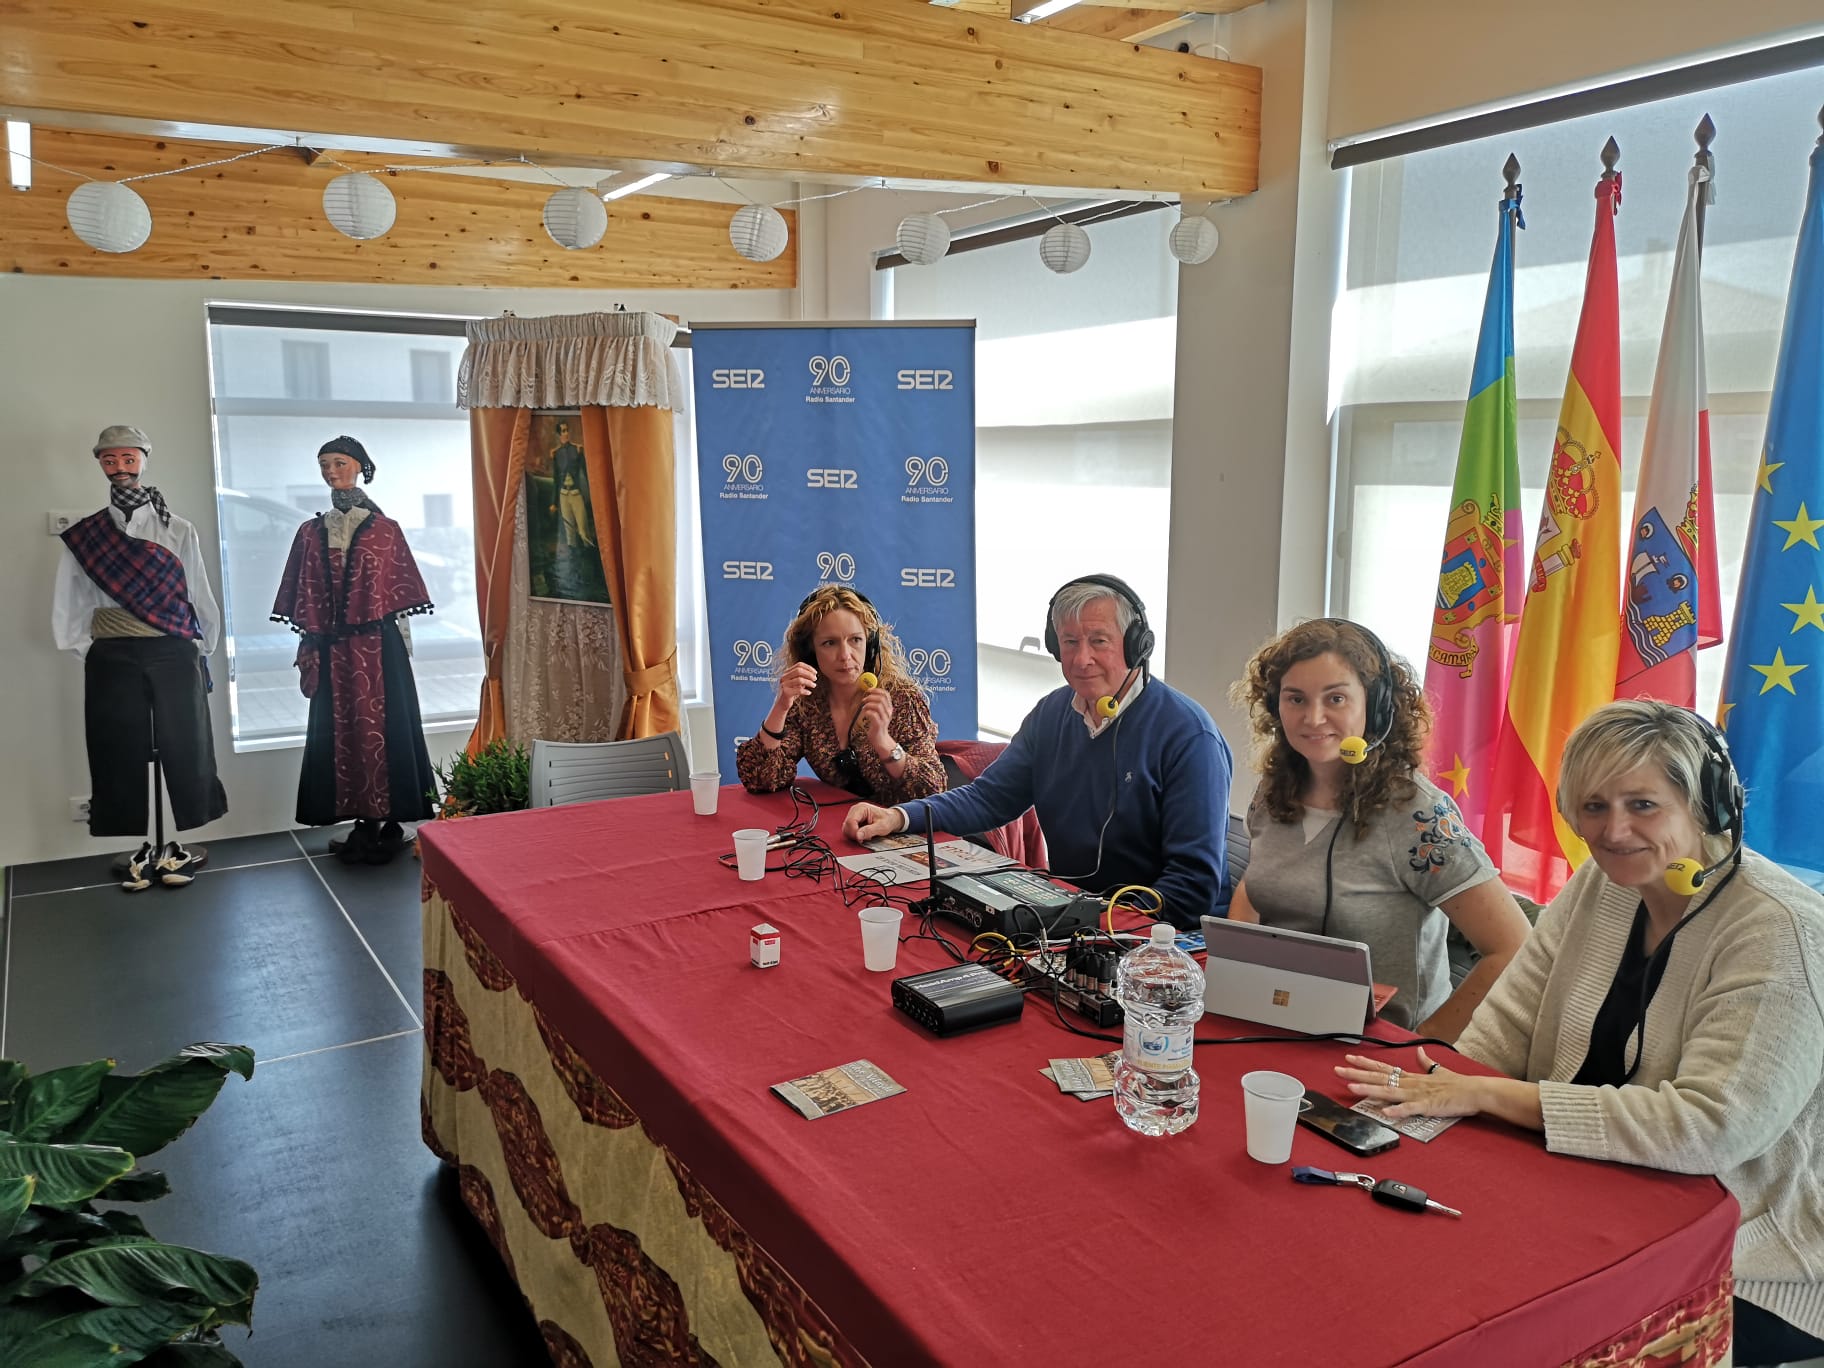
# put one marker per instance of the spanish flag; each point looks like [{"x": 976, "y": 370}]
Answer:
[{"x": 1570, "y": 629}]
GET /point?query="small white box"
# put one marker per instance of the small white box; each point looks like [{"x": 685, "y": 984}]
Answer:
[{"x": 763, "y": 946}]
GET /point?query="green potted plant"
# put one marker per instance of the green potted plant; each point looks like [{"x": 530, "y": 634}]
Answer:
[
  {"x": 81, "y": 1286},
  {"x": 497, "y": 778}
]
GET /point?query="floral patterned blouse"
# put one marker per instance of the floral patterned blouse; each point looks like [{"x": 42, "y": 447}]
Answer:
[{"x": 811, "y": 735}]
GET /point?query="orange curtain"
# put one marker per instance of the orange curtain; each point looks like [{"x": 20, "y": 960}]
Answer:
[
  {"x": 497, "y": 440},
  {"x": 629, "y": 455}
]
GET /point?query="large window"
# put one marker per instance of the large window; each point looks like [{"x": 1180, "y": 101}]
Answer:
[
  {"x": 285, "y": 382},
  {"x": 280, "y": 393},
  {"x": 1421, "y": 233},
  {"x": 1073, "y": 433}
]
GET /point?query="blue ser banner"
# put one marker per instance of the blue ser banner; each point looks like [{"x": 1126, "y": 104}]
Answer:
[{"x": 837, "y": 455}]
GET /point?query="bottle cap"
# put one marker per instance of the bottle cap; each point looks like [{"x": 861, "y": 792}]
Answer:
[{"x": 1164, "y": 934}]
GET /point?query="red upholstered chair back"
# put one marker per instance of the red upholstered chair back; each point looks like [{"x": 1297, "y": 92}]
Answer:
[{"x": 1020, "y": 839}]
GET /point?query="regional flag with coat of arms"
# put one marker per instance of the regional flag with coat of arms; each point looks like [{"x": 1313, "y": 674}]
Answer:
[
  {"x": 1773, "y": 688},
  {"x": 1570, "y": 632},
  {"x": 1477, "y": 612},
  {"x": 1671, "y": 606}
]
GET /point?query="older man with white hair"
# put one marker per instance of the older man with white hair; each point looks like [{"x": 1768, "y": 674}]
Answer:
[
  {"x": 133, "y": 603},
  {"x": 1130, "y": 778}
]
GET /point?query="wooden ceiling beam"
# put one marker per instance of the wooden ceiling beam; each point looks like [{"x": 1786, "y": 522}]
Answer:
[
  {"x": 262, "y": 219},
  {"x": 1189, "y": 7},
  {"x": 871, "y": 90},
  {"x": 1125, "y": 25}
]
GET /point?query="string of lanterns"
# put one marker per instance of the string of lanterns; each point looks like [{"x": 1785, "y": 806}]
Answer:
[{"x": 111, "y": 216}]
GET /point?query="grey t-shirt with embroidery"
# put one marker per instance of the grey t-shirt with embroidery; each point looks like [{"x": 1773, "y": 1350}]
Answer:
[{"x": 1385, "y": 887}]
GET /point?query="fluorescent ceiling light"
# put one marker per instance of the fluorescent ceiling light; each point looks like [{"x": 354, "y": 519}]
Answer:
[
  {"x": 1046, "y": 10},
  {"x": 634, "y": 187},
  {"x": 19, "y": 153}
]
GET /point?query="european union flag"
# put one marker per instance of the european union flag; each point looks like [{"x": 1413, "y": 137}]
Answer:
[{"x": 1773, "y": 691}]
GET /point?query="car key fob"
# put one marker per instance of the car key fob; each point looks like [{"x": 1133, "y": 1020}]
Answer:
[{"x": 1405, "y": 1195}]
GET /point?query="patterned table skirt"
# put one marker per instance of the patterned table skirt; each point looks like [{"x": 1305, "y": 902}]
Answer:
[{"x": 622, "y": 1254}]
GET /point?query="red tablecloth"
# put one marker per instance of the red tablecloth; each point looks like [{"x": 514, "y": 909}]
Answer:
[{"x": 983, "y": 1216}]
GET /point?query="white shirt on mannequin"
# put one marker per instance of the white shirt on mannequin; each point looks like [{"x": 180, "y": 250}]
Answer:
[{"x": 76, "y": 597}]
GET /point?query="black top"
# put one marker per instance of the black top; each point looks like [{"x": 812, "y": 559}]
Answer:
[{"x": 1622, "y": 1010}]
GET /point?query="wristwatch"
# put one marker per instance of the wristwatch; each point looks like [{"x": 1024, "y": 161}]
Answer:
[{"x": 895, "y": 755}]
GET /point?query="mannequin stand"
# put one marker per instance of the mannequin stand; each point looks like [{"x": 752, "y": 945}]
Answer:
[{"x": 199, "y": 855}]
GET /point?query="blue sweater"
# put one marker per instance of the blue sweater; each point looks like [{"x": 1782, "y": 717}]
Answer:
[{"x": 1166, "y": 816}]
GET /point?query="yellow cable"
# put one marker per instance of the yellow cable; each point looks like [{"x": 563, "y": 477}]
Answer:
[
  {"x": 1114, "y": 899},
  {"x": 1012, "y": 949}
]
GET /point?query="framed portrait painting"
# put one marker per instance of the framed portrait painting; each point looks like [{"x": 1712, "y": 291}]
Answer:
[{"x": 563, "y": 558}]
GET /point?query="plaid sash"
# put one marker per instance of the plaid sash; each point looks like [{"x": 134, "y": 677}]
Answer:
[{"x": 141, "y": 576}]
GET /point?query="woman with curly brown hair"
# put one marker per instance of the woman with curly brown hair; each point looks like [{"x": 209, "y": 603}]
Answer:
[
  {"x": 877, "y": 741},
  {"x": 1348, "y": 837}
]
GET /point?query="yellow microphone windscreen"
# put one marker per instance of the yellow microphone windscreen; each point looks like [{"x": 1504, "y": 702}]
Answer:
[
  {"x": 1353, "y": 749},
  {"x": 868, "y": 679},
  {"x": 1684, "y": 877},
  {"x": 1106, "y": 705}
]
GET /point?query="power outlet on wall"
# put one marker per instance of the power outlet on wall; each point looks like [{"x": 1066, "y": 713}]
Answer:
[
  {"x": 79, "y": 810},
  {"x": 59, "y": 520}
]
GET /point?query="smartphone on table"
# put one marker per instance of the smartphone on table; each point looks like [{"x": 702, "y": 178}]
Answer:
[{"x": 1355, "y": 1132}]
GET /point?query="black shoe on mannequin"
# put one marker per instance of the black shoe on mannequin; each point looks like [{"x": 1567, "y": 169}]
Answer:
[{"x": 140, "y": 868}]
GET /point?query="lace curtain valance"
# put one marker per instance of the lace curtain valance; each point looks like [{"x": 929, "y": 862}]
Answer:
[{"x": 619, "y": 360}]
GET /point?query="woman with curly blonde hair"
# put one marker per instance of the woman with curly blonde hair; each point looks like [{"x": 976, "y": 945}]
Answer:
[
  {"x": 1348, "y": 838},
  {"x": 877, "y": 741}
]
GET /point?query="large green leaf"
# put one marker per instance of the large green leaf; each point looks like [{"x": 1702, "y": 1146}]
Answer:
[
  {"x": 66, "y": 1173},
  {"x": 43, "y": 1229},
  {"x": 128, "y": 1273},
  {"x": 43, "y": 1333},
  {"x": 143, "y": 1113},
  {"x": 233, "y": 1058},
  {"x": 50, "y": 1101},
  {"x": 144, "y": 1185},
  {"x": 12, "y": 1074},
  {"x": 15, "y": 1199}
]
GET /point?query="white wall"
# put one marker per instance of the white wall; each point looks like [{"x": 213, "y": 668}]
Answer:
[
  {"x": 1250, "y": 449},
  {"x": 77, "y": 354}
]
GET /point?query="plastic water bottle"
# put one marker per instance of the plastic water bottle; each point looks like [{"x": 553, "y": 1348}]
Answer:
[{"x": 1160, "y": 989}]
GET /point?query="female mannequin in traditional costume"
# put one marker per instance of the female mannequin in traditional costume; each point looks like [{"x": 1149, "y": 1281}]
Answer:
[{"x": 350, "y": 580}]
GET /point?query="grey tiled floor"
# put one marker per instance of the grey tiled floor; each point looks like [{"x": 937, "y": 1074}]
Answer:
[{"x": 314, "y": 1172}]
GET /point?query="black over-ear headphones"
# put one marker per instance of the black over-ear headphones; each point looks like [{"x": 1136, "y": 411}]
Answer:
[
  {"x": 1719, "y": 788},
  {"x": 1720, "y": 799},
  {"x": 1380, "y": 691},
  {"x": 1136, "y": 644},
  {"x": 871, "y": 661}
]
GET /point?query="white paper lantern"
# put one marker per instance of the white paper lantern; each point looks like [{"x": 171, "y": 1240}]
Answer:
[
  {"x": 1064, "y": 248},
  {"x": 576, "y": 218},
  {"x": 359, "y": 206},
  {"x": 1193, "y": 239},
  {"x": 109, "y": 216},
  {"x": 922, "y": 238},
  {"x": 758, "y": 232}
]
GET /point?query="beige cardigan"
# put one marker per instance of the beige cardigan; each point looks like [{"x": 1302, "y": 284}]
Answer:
[{"x": 1731, "y": 1078}]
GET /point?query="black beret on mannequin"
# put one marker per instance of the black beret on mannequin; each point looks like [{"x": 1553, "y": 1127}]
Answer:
[{"x": 349, "y": 447}]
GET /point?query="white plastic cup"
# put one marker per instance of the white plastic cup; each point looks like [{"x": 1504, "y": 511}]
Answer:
[
  {"x": 704, "y": 788},
  {"x": 1273, "y": 1102},
  {"x": 750, "y": 853},
  {"x": 880, "y": 937}
]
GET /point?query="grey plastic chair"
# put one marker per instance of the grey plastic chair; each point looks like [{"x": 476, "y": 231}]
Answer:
[{"x": 569, "y": 772}]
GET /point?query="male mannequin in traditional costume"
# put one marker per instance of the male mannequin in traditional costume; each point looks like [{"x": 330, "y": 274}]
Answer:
[
  {"x": 350, "y": 580},
  {"x": 133, "y": 602}
]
